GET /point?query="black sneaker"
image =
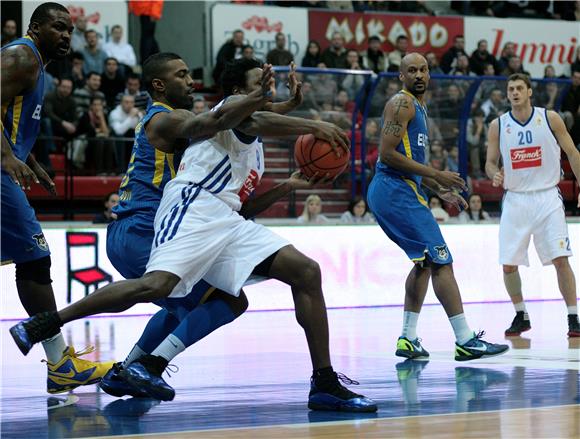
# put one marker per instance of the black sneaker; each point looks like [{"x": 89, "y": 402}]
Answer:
[
  {"x": 573, "y": 325},
  {"x": 521, "y": 323},
  {"x": 328, "y": 394},
  {"x": 35, "y": 329},
  {"x": 145, "y": 375}
]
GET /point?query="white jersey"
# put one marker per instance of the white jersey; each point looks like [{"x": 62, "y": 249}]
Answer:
[
  {"x": 229, "y": 165},
  {"x": 530, "y": 152}
]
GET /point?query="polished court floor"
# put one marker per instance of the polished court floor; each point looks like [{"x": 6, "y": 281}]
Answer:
[{"x": 250, "y": 380}]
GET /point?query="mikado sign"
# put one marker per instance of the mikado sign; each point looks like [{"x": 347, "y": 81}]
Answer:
[{"x": 537, "y": 42}]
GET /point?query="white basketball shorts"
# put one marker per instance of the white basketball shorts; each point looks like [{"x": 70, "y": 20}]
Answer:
[
  {"x": 198, "y": 236},
  {"x": 539, "y": 214}
]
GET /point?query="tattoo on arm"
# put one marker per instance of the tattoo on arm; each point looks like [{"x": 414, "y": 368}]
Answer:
[
  {"x": 392, "y": 127},
  {"x": 400, "y": 103}
]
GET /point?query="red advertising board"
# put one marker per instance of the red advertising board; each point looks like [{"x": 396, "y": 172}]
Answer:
[{"x": 425, "y": 33}]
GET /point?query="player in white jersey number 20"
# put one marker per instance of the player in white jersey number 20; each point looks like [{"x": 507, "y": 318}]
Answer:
[{"x": 529, "y": 139}]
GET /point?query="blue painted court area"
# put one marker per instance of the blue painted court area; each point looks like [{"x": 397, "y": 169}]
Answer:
[{"x": 255, "y": 373}]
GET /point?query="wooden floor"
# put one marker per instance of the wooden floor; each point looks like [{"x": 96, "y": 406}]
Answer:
[{"x": 250, "y": 380}]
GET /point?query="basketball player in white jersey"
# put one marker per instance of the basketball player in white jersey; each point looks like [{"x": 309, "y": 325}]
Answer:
[{"x": 529, "y": 139}]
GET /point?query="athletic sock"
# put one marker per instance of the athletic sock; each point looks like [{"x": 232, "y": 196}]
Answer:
[
  {"x": 462, "y": 331},
  {"x": 54, "y": 348},
  {"x": 134, "y": 355},
  {"x": 572, "y": 309},
  {"x": 169, "y": 348},
  {"x": 520, "y": 307},
  {"x": 158, "y": 328},
  {"x": 410, "y": 319}
]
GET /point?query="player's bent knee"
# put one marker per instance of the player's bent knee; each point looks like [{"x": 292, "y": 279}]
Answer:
[
  {"x": 35, "y": 271},
  {"x": 310, "y": 272},
  {"x": 157, "y": 285},
  {"x": 510, "y": 269}
]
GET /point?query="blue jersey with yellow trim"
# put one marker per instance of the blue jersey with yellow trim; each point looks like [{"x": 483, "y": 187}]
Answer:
[
  {"x": 413, "y": 144},
  {"x": 148, "y": 172},
  {"x": 21, "y": 115}
]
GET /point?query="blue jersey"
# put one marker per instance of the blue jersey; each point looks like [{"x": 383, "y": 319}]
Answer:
[
  {"x": 413, "y": 144},
  {"x": 21, "y": 115},
  {"x": 148, "y": 172}
]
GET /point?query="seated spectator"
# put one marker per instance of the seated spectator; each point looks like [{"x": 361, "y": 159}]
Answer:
[
  {"x": 94, "y": 56},
  {"x": 494, "y": 106},
  {"x": 374, "y": 58},
  {"x": 449, "y": 59},
  {"x": 312, "y": 211},
  {"x": 453, "y": 159},
  {"x": 123, "y": 120},
  {"x": 549, "y": 72},
  {"x": 433, "y": 63},
  {"x": 248, "y": 52},
  {"x": 386, "y": 89},
  {"x": 436, "y": 206},
  {"x": 133, "y": 88},
  {"x": 231, "y": 49},
  {"x": 59, "y": 113},
  {"x": 199, "y": 106},
  {"x": 77, "y": 70},
  {"x": 9, "y": 31},
  {"x": 112, "y": 82},
  {"x": 93, "y": 124},
  {"x": 395, "y": 57},
  {"x": 279, "y": 55},
  {"x": 476, "y": 138},
  {"x": 450, "y": 113},
  {"x": 357, "y": 213},
  {"x": 78, "y": 42},
  {"x": 438, "y": 156},
  {"x": 506, "y": 53},
  {"x": 353, "y": 83},
  {"x": 334, "y": 57},
  {"x": 122, "y": 52},
  {"x": 324, "y": 87},
  {"x": 309, "y": 101},
  {"x": 84, "y": 96},
  {"x": 313, "y": 56},
  {"x": 107, "y": 216},
  {"x": 474, "y": 213},
  {"x": 514, "y": 66},
  {"x": 480, "y": 57},
  {"x": 546, "y": 95},
  {"x": 571, "y": 109},
  {"x": 462, "y": 67}
]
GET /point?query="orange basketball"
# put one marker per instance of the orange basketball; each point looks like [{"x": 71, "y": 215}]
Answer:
[{"x": 315, "y": 155}]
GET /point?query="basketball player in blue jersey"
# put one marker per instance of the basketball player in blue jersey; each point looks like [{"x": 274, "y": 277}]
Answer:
[
  {"x": 400, "y": 207},
  {"x": 23, "y": 243}
]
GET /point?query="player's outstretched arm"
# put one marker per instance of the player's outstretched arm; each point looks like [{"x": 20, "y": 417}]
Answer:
[
  {"x": 398, "y": 112},
  {"x": 493, "y": 155},
  {"x": 296, "y": 96}
]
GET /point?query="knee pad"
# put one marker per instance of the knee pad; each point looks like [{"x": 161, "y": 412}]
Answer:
[{"x": 36, "y": 271}]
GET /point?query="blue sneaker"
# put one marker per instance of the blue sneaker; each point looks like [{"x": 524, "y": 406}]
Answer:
[
  {"x": 145, "y": 375},
  {"x": 411, "y": 349},
  {"x": 114, "y": 385},
  {"x": 477, "y": 348},
  {"x": 35, "y": 329},
  {"x": 338, "y": 398}
]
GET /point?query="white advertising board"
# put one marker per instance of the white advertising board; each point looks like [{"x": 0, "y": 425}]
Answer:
[
  {"x": 538, "y": 42},
  {"x": 360, "y": 267},
  {"x": 260, "y": 25}
]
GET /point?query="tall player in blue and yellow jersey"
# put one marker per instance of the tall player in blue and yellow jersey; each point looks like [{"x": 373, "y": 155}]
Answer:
[
  {"x": 400, "y": 207},
  {"x": 23, "y": 243}
]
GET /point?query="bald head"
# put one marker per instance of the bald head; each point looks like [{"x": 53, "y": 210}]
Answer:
[{"x": 414, "y": 73}]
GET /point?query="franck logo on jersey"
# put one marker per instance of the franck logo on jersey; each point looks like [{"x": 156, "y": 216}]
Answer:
[
  {"x": 529, "y": 157},
  {"x": 249, "y": 185}
]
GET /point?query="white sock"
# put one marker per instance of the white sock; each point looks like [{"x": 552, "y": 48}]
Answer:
[
  {"x": 169, "y": 348},
  {"x": 462, "y": 331},
  {"x": 572, "y": 309},
  {"x": 521, "y": 307},
  {"x": 410, "y": 319},
  {"x": 54, "y": 348},
  {"x": 134, "y": 355}
]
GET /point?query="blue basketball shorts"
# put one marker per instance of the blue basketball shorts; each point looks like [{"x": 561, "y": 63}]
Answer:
[{"x": 401, "y": 209}]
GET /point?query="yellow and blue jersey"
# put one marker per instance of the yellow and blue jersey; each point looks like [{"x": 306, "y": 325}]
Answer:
[
  {"x": 21, "y": 116},
  {"x": 149, "y": 171}
]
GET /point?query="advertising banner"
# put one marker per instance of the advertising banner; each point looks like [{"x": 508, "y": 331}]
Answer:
[
  {"x": 537, "y": 42},
  {"x": 260, "y": 25},
  {"x": 425, "y": 33}
]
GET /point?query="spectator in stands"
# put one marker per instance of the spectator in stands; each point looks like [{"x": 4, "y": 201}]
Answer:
[
  {"x": 480, "y": 57},
  {"x": 506, "y": 53},
  {"x": 324, "y": 88},
  {"x": 357, "y": 213},
  {"x": 395, "y": 57},
  {"x": 571, "y": 108},
  {"x": 122, "y": 52},
  {"x": 372, "y": 136},
  {"x": 107, "y": 216},
  {"x": 386, "y": 89},
  {"x": 450, "y": 113},
  {"x": 462, "y": 67},
  {"x": 77, "y": 72},
  {"x": 436, "y": 206},
  {"x": 438, "y": 156},
  {"x": 476, "y": 138},
  {"x": 494, "y": 106},
  {"x": 337, "y": 112},
  {"x": 231, "y": 49},
  {"x": 93, "y": 124},
  {"x": 313, "y": 56},
  {"x": 91, "y": 90},
  {"x": 9, "y": 31},
  {"x": 248, "y": 52},
  {"x": 546, "y": 95},
  {"x": 474, "y": 213},
  {"x": 575, "y": 67},
  {"x": 123, "y": 120},
  {"x": 78, "y": 41},
  {"x": 433, "y": 63},
  {"x": 60, "y": 113},
  {"x": 312, "y": 213},
  {"x": 549, "y": 72},
  {"x": 309, "y": 98},
  {"x": 334, "y": 56},
  {"x": 133, "y": 88},
  {"x": 112, "y": 82},
  {"x": 374, "y": 58},
  {"x": 352, "y": 84},
  {"x": 453, "y": 159},
  {"x": 450, "y": 57},
  {"x": 279, "y": 55},
  {"x": 514, "y": 66},
  {"x": 199, "y": 106},
  {"x": 94, "y": 56}
]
